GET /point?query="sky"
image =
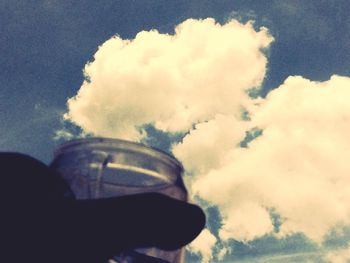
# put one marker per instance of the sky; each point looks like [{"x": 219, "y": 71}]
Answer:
[{"x": 251, "y": 96}]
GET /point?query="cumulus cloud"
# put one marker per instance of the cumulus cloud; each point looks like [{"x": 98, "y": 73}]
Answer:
[
  {"x": 195, "y": 81},
  {"x": 299, "y": 166},
  {"x": 338, "y": 256},
  {"x": 171, "y": 81},
  {"x": 206, "y": 146},
  {"x": 203, "y": 245},
  {"x": 250, "y": 221}
]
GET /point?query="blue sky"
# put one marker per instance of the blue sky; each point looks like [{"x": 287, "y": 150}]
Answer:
[{"x": 302, "y": 121}]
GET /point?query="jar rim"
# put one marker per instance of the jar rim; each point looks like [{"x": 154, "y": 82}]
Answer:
[{"x": 118, "y": 144}]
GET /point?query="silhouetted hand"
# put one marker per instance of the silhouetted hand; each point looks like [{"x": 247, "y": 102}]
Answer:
[{"x": 42, "y": 222}]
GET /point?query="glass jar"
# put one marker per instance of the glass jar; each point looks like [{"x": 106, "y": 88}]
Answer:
[{"x": 100, "y": 168}]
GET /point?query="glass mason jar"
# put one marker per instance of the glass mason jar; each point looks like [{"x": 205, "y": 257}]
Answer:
[{"x": 101, "y": 168}]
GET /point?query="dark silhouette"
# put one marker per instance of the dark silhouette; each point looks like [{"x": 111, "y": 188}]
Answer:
[{"x": 41, "y": 222}]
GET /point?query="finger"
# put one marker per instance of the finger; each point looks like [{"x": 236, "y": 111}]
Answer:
[{"x": 143, "y": 220}]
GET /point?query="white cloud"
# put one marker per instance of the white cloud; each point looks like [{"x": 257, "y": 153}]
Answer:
[
  {"x": 338, "y": 256},
  {"x": 223, "y": 252},
  {"x": 172, "y": 81},
  {"x": 299, "y": 166},
  {"x": 198, "y": 76},
  {"x": 250, "y": 221},
  {"x": 205, "y": 147},
  {"x": 203, "y": 245}
]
